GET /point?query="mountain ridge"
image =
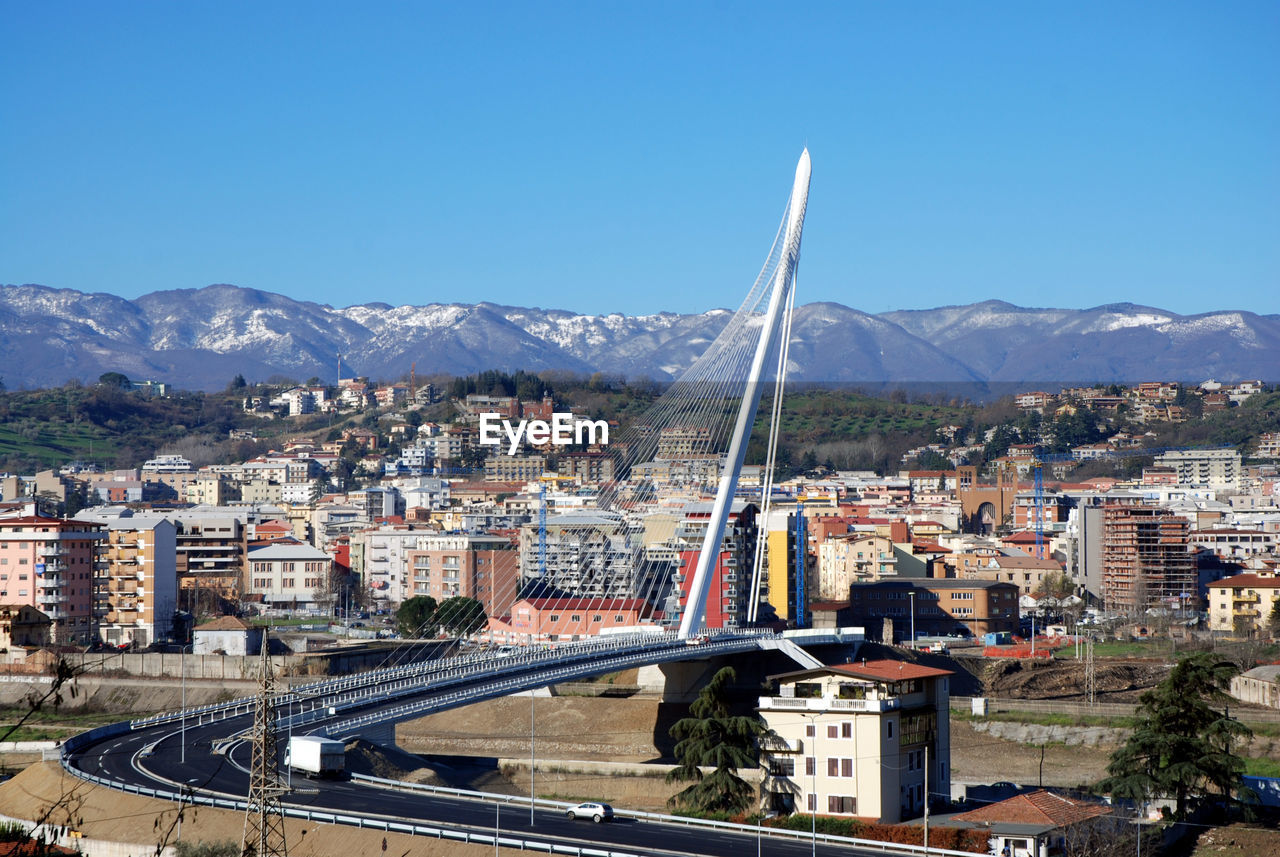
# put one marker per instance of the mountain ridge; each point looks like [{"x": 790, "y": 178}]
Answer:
[{"x": 200, "y": 338}]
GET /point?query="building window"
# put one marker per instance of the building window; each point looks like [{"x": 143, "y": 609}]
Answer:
[
  {"x": 576, "y": 617},
  {"x": 782, "y": 767},
  {"x": 810, "y": 730},
  {"x": 597, "y": 618},
  {"x": 889, "y": 729},
  {"x": 833, "y": 731},
  {"x": 846, "y": 767},
  {"x": 813, "y": 803},
  {"x": 810, "y": 766},
  {"x": 846, "y": 729},
  {"x": 833, "y": 767},
  {"x": 555, "y": 617}
]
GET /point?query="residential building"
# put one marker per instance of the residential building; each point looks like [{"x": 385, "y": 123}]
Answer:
[
  {"x": 1217, "y": 469},
  {"x": 1242, "y": 604},
  {"x": 445, "y": 565},
  {"x": 226, "y": 635},
  {"x": 1031, "y": 825},
  {"x": 48, "y": 563},
  {"x": 856, "y": 740},
  {"x": 22, "y": 625},
  {"x": 289, "y": 576},
  {"x": 853, "y": 558},
  {"x": 933, "y": 607},
  {"x": 514, "y": 468},
  {"x": 589, "y": 468},
  {"x": 136, "y": 587},
  {"x": 1234, "y": 544},
  {"x": 586, "y": 554},
  {"x": 1145, "y": 560},
  {"x": 1025, "y": 572},
  {"x": 211, "y": 551},
  {"x": 551, "y": 620},
  {"x": 729, "y": 590}
]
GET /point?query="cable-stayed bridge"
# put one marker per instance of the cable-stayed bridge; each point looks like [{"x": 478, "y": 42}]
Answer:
[{"x": 602, "y": 553}]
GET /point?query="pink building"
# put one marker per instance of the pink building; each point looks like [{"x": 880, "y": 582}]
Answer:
[
  {"x": 48, "y": 564},
  {"x": 541, "y": 620}
]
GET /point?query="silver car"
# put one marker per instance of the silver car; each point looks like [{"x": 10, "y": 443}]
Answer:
[{"x": 597, "y": 812}]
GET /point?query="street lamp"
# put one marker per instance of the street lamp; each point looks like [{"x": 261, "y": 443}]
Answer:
[{"x": 813, "y": 787}]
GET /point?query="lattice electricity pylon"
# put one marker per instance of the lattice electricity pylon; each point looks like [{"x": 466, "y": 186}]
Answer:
[{"x": 263, "y": 816}]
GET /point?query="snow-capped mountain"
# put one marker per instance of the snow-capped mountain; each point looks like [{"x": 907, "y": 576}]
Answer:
[{"x": 200, "y": 338}]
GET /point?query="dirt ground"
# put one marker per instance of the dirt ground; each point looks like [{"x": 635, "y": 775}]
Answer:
[
  {"x": 978, "y": 757},
  {"x": 1114, "y": 680},
  {"x": 1238, "y": 840}
]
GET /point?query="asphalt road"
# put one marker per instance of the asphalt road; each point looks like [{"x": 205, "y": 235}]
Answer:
[{"x": 153, "y": 758}]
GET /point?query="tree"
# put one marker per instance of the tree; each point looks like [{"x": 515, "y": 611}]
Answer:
[
  {"x": 416, "y": 617},
  {"x": 114, "y": 379},
  {"x": 1273, "y": 619},
  {"x": 460, "y": 615},
  {"x": 711, "y": 737},
  {"x": 1181, "y": 744}
]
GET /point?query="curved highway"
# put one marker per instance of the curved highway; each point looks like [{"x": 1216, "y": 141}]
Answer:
[{"x": 150, "y": 755}]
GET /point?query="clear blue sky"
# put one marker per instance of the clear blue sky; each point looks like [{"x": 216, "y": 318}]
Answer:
[{"x": 635, "y": 157}]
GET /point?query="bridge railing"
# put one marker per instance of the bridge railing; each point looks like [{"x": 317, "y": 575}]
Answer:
[
  {"x": 423, "y": 670},
  {"x": 564, "y": 670}
]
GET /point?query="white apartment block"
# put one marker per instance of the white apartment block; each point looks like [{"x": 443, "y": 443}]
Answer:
[
  {"x": 857, "y": 739},
  {"x": 1216, "y": 469}
]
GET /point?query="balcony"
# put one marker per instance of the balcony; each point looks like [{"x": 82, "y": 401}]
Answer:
[
  {"x": 822, "y": 704},
  {"x": 778, "y": 744}
]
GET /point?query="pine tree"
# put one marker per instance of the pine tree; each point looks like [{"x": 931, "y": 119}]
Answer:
[
  {"x": 713, "y": 738},
  {"x": 1181, "y": 746}
]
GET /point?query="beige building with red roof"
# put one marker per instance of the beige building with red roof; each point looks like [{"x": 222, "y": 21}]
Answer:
[
  {"x": 858, "y": 739},
  {"x": 1242, "y": 604}
]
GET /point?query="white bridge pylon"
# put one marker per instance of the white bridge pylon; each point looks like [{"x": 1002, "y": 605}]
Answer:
[{"x": 694, "y": 616}]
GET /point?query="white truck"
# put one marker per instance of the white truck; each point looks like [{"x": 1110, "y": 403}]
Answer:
[{"x": 317, "y": 757}]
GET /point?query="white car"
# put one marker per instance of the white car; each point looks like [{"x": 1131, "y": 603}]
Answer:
[{"x": 597, "y": 812}]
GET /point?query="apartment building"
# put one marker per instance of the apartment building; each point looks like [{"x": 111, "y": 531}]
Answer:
[
  {"x": 853, "y": 558},
  {"x": 729, "y": 590},
  {"x": 1145, "y": 560},
  {"x": 1241, "y": 605},
  {"x": 445, "y": 565},
  {"x": 586, "y": 554},
  {"x": 211, "y": 555},
  {"x": 1216, "y": 469},
  {"x": 136, "y": 587},
  {"x": 1234, "y": 544},
  {"x": 289, "y": 576},
  {"x": 934, "y": 606},
  {"x": 48, "y": 563},
  {"x": 514, "y": 468},
  {"x": 857, "y": 739}
]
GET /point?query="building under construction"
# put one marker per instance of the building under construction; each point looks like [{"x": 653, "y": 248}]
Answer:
[{"x": 1145, "y": 561}]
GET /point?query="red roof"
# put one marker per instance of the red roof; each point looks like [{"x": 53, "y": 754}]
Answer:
[
  {"x": 1248, "y": 579},
  {"x": 588, "y": 603},
  {"x": 887, "y": 670},
  {"x": 1038, "y": 807}
]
